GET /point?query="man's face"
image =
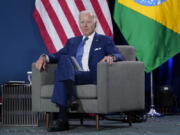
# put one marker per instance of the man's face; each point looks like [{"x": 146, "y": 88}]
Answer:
[{"x": 87, "y": 24}]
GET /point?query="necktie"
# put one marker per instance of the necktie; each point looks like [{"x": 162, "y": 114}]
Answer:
[{"x": 80, "y": 51}]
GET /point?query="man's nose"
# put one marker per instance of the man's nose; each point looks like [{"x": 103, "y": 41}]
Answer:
[{"x": 85, "y": 24}]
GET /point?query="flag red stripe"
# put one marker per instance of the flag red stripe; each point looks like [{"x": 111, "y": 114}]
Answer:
[
  {"x": 69, "y": 17},
  {"x": 101, "y": 17},
  {"x": 43, "y": 31},
  {"x": 55, "y": 21},
  {"x": 79, "y": 5}
]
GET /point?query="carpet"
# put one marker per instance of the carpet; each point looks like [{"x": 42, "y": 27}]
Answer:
[{"x": 166, "y": 125}]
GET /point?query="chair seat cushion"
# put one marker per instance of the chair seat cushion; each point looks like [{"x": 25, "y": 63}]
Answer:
[
  {"x": 86, "y": 91},
  {"x": 83, "y": 91}
]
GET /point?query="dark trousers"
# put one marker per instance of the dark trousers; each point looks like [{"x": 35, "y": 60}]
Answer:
[{"x": 64, "y": 74}]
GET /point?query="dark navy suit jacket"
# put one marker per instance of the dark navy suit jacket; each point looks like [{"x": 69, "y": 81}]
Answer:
[{"x": 101, "y": 46}]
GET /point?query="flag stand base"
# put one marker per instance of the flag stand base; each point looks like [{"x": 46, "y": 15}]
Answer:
[{"x": 152, "y": 113}]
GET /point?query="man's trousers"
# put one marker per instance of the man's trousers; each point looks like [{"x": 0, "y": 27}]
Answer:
[{"x": 66, "y": 72}]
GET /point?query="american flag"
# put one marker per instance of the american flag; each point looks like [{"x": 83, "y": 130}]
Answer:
[{"x": 58, "y": 19}]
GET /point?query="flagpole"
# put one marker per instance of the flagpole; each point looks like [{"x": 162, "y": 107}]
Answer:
[{"x": 152, "y": 112}]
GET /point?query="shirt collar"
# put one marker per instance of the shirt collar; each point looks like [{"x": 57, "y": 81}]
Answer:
[{"x": 90, "y": 36}]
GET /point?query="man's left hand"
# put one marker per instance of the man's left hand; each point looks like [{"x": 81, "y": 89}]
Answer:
[{"x": 108, "y": 59}]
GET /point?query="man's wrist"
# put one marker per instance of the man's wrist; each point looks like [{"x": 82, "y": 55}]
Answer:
[{"x": 113, "y": 57}]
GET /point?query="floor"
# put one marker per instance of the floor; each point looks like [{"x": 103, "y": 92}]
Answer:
[{"x": 165, "y": 125}]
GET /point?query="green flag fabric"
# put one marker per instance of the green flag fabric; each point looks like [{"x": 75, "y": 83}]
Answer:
[{"x": 152, "y": 28}]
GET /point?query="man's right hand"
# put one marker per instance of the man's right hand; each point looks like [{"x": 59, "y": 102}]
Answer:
[{"x": 41, "y": 63}]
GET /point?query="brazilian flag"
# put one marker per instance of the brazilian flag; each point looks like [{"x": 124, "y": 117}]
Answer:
[{"x": 152, "y": 27}]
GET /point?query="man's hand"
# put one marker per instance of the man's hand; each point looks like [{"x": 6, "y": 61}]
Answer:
[
  {"x": 108, "y": 59},
  {"x": 41, "y": 63}
]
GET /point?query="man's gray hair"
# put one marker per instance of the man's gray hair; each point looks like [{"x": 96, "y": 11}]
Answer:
[{"x": 89, "y": 12}]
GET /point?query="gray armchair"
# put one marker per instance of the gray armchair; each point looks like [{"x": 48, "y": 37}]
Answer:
[{"x": 120, "y": 88}]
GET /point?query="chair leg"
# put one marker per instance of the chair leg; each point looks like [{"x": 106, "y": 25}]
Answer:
[
  {"x": 47, "y": 117},
  {"x": 81, "y": 119},
  {"x": 129, "y": 118},
  {"x": 97, "y": 121}
]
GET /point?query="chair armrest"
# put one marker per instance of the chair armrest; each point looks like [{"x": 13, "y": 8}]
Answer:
[
  {"x": 120, "y": 86},
  {"x": 40, "y": 78}
]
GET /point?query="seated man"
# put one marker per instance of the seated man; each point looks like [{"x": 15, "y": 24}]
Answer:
[{"x": 88, "y": 49}]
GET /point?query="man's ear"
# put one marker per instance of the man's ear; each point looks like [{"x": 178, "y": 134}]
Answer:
[{"x": 95, "y": 24}]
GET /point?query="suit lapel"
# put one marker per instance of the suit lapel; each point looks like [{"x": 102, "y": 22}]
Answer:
[
  {"x": 77, "y": 42},
  {"x": 94, "y": 45}
]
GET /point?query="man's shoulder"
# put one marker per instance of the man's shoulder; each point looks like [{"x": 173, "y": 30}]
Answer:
[
  {"x": 75, "y": 38},
  {"x": 103, "y": 37},
  {"x": 97, "y": 35}
]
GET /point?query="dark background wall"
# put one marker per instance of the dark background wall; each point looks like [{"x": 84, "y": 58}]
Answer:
[
  {"x": 20, "y": 41},
  {"x": 21, "y": 44}
]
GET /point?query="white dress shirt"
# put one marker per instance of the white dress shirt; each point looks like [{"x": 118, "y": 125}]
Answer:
[{"x": 86, "y": 51}]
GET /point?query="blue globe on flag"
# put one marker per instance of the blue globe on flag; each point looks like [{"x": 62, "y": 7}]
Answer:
[{"x": 149, "y": 2}]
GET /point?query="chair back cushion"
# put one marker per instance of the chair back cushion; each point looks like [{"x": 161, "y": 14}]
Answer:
[{"x": 128, "y": 52}]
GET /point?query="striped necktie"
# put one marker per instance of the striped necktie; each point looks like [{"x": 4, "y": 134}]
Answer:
[{"x": 80, "y": 51}]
